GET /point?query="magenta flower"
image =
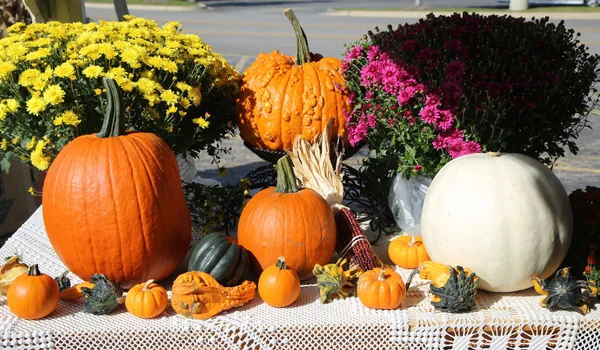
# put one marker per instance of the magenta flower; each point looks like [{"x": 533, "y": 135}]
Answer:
[
  {"x": 430, "y": 114},
  {"x": 406, "y": 94},
  {"x": 455, "y": 70}
]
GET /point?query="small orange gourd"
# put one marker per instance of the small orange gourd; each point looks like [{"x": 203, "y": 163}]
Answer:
[
  {"x": 279, "y": 286},
  {"x": 33, "y": 295},
  {"x": 408, "y": 251},
  {"x": 381, "y": 289},
  {"x": 146, "y": 300},
  {"x": 198, "y": 295}
]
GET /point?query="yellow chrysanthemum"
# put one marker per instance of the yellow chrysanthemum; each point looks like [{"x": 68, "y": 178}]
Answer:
[
  {"x": 35, "y": 105},
  {"x": 3, "y": 111},
  {"x": 5, "y": 69},
  {"x": 201, "y": 122},
  {"x": 31, "y": 143},
  {"x": 169, "y": 97},
  {"x": 16, "y": 52},
  {"x": 16, "y": 140},
  {"x": 93, "y": 71},
  {"x": 129, "y": 56},
  {"x": 145, "y": 85},
  {"x": 54, "y": 94},
  {"x": 183, "y": 86},
  {"x": 57, "y": 121},
  {"x": 4, "y": 144},
  {"x": 12, "y": 104},
  {"x": 38, "y": 159},
  {"x": 28, "y": 77},
  {"x": 70, "y": 118},
  {"x": 195, "y": 95},
  {"x": 37, "y": 54},
  {"x": 116, "y": 72},
  {"x": 107, "y": 50},
  {"x": 171, "y": 110},
  {"x": 185, "y": 103},
  {"x": 125, "y": 84},
  {"x": 64, "y": 70},
  {"x": 40, "y": 82}
]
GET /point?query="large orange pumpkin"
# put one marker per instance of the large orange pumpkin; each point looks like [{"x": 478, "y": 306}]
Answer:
[
  {"x": 113, "y": 203},
  {"x": 284, "y": 221},
  {"x": 284, "y": 96}
]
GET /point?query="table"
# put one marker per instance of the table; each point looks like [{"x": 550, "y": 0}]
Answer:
[{"x": 500, "y": 321}]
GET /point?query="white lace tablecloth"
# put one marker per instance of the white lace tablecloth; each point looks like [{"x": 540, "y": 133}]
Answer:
[{"x": 501, "y": 321}]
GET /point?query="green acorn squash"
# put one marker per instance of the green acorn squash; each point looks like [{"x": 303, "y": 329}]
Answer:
[{"x": 221, "y": 257}]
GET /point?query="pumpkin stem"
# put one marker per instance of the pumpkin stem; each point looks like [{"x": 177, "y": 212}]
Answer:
[
  {"x": 382, "y": 275},
  {"x": 286, "y": 180},
  {"x": 494, "y": 154},
  {"x": 114, "y": 117},
  {"x": 281, "y": 263},
  {"x": 303, "y": 53},
  {"x": 33, "y": 270},
  {"x": 410, "y": 277},
  {"x": 147, "y": 285},
  {"x": 412, "y": 241}
]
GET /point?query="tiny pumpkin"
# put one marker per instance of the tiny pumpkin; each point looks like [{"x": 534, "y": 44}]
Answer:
[
  {"x": 33, "y": 295},
  {"x": 408, "y": 251},
  {"x": 146, "y": 300},
  {"x": 279, "y": 286},
  {"x": 381, "y": 288}
]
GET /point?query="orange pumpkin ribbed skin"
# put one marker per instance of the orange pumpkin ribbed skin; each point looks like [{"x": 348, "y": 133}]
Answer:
[
  {"x": 408, "y": 251},
  {"x": 283, "y": 96},
  {"x": 379, "y": 290},
  {"x": 146, "y": 300},
  {"x": 299, "y": 226},
  {"x": 33, "y": 296},
  {"x": 279, "y": 286},
  {"x": 115, "y": 206}
]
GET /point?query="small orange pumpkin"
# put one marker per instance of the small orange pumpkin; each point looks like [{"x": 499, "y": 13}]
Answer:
[
  {"x": 146, "y": 300},
  {"x": 279, "y": 286},
  {"x": 408, "y": 251},
  {"x": 381, "y": 289},
  {"x": 33, "y": 295}
]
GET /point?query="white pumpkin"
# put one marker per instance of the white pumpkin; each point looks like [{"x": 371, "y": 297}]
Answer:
[{"x": 506, "y": 216}]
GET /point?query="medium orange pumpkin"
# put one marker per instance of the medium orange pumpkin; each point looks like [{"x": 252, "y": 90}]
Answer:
[
  {"x": 114, "y": 205},
  {"x": 408, "y": 251},
  {"x": 381, "y": 289},
  {"x": 284, "y": 96},
  {"x": 279, "y": 286},
  {"x": 284, "y": 221},
  {"x": 33, "y": 295},
  {"x": 146, "y": 300}
]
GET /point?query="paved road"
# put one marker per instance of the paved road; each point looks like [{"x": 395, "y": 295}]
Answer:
[{"x": 242, "y": 29}]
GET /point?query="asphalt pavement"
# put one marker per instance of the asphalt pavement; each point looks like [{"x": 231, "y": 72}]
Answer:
[{"x": 239, "y": 30}]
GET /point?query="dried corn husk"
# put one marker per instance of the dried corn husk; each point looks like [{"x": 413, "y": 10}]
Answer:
[
  {"x": 314, "y": 169},
  {"x": 312, "y": 166},
  {"x": 12, "y": 269}
]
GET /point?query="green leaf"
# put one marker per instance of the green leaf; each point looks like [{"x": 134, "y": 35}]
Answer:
[{"x": 5, "y": 164}]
